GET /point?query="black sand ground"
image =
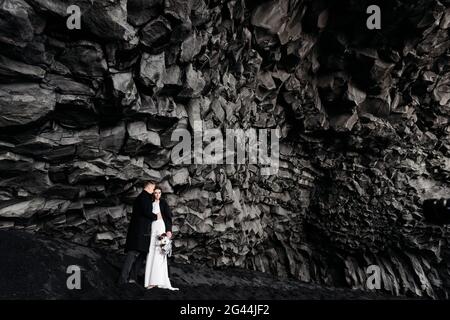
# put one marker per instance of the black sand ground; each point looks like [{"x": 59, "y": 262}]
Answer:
[{"x": 34, "y": 267}]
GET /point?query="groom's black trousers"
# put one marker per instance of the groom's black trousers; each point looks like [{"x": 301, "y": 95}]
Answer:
[{"x": 131, "y": 266}]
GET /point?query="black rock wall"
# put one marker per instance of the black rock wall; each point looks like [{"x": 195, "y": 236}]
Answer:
[{"x": 87, "y": 115}]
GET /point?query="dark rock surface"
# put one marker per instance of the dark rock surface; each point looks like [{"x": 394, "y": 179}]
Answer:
[
  {"x": 87, "y": 115},
  {"x": 35, "y": 267}
]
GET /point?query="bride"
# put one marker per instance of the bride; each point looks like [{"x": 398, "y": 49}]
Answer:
[{"x": 156, "y": 271}]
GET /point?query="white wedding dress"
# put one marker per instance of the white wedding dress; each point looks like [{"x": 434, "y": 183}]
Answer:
[{"x": 156, "y": 271}]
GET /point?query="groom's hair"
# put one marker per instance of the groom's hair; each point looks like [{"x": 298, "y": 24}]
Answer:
[{"x": 146, "y": 183}]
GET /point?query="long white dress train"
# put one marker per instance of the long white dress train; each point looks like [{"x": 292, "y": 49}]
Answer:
[{"x": 156, "y": 271}]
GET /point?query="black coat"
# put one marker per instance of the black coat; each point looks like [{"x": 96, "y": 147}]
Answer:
[{"x": 140, "y": 228}]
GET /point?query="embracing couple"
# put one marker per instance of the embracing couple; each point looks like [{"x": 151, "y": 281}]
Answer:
[{"x": 150, "y": 219}]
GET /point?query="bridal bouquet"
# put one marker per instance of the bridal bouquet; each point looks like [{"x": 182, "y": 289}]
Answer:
[{"x": 165, "y": 244}]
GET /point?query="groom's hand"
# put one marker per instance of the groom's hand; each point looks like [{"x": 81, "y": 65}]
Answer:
[{"x": 169, "y": 234}]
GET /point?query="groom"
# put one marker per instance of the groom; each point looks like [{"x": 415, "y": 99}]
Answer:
[{"x": 138, "y": 236}]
